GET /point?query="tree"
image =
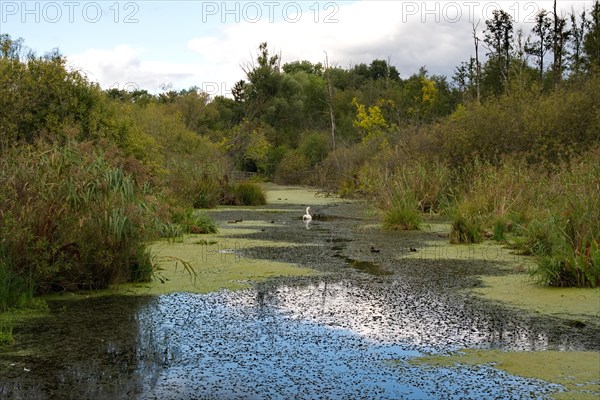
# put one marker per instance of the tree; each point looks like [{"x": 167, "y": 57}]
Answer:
[
  {"x": 421, "y": 91},
  {"x": 559, "y": 36},
  {"x": 330, "y": 102},
  {"x": 248, "y": 146},
  {"x": 239, "y": 91},
  {"x": 9, "y": 48},
  {"x": 465, "y": 79},
  {"x": 264, "y": 79},
  {"x": 543, "y": 41},
  {"x": 380, "y": 69},
  {"x": 305, "y": 66},
  {"x": 591, "y": 42},
  {"x": 577, "y": 36},
  {"x": 41, "y": 98},
  {"x": 499, "y": 41},
  {"x": 477, "y": 63},
  {"x": 192, "y": 104},
  {"x": 370, "y": 120}
]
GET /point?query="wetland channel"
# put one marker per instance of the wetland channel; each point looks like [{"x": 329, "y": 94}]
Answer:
[{"x": 347, "y": 331}]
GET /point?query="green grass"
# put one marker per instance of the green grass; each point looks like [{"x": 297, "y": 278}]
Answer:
[
  {"x": 190, "y": 221},
  {"x": 6, "y": 334},
  {"x": 248, "y": 194},
  {"x": 465, "y": 230},
  {"x": 402, "y": 215}
]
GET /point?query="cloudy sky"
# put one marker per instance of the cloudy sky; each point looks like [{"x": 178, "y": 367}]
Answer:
[{"x": 152, "y": 43}]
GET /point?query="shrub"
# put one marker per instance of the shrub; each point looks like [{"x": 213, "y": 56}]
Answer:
[
  {"x": 402, "y": 215},
  {"x": 565, "y": 240},
  {"x": 315, "y": 146},
  {"x": 192, "y": 221},
  {"x": 465, "y": 230},
  {"x": 293, "y": 169},
  {"x": 208, "y": 193},
  {"x": 248, "y": 194},
  {"x": 73, "y": 217}
]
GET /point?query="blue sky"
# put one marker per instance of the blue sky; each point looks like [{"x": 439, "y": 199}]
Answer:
[{"x": 152, "y": 43}]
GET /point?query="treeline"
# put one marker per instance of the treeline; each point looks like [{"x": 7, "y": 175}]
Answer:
[{"x": 284, "y": 118}]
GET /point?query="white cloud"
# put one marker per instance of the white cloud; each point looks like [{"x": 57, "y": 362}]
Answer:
[
  {"x": 410, "y": 33},
  {"x": 364, "y": 31},
  {"x": 124, "y": 67}
]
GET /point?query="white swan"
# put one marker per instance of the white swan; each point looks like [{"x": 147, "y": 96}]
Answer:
[{"x": 307, "y": 216}]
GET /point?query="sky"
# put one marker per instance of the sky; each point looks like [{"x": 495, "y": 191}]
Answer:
[{"x": 158, "y": 44}]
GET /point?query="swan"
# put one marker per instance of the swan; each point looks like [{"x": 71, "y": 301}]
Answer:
[{"x": 307, "y": 216}]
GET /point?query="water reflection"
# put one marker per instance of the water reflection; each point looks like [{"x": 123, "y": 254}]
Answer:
[
  {"x": 249, "y": 345},
  {"x": 83, "y": 350},
  {"x": 307, "y": 223},
  {"x": 328, "y": 340}
]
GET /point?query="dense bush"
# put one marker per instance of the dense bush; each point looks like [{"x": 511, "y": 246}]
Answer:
[
  {"x": 544, "y": 128},
  {"x": 247, "y": 194},
  {"x": 565, "y": 239},
  {"x": 73, "y": 217},
  {"x": 193, "y": 170},
  {"x": 293, "y": 169}
]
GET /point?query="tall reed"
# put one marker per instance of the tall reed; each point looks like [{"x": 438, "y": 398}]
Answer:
[{"x": 73, "y": 217}]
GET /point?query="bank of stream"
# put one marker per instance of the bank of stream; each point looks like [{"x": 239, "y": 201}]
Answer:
[{"x": 272, "y": 307}]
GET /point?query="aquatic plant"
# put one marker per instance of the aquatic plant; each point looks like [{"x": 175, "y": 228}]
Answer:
[
  {"x": 500, "y": 229},
  {"x": 565, "y": 239},
  {"x": 208, "y": 193},
  {"x": 192, "y": 221},
  {"x": 248, "y": 194},
  {"x": 169, "y": 230},
  {"x": 6, "y": 334},
  {"x": 402, "y": 214},
  {"x": 74, "y": 216},
  {"x": 465, "y": 230}
]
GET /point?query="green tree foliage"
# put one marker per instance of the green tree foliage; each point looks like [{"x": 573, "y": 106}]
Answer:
[
  {"x": 315, "y": 146},
  {"x": 542, "y": 43},
  {"x": 559, "y": 39},
  {"x": 248, "y": 147},
  {"x": 591, "y": 42},
  {"x": 576, "y": 40},
  {"x": 499, "y": 41},
  {"x": 547, "y": 128},
  {"x": 465, "y": 80},
  {"x": 39, "y": 98}
]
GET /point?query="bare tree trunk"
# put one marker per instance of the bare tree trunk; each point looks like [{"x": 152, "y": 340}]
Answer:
[
  {"x": 557, "y": 46},
  {"x": 330, "y": 96},
  {"x": 477, "y": 69}
]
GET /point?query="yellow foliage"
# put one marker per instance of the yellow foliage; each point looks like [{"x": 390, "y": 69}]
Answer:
[
  {"x": 425, "y": 99},
  {"x": 370, "y": 121}
]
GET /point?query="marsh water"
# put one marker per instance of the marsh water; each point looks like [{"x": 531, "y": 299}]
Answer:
[{"x": 348, "y": 332}]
